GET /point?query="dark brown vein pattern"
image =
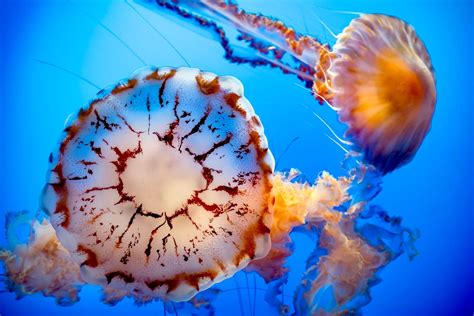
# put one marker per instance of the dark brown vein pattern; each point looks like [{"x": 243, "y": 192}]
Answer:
[{"x": 161, "y": 186}]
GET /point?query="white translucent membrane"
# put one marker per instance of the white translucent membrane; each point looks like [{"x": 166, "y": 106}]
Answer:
[{"x": 160, "y": 187}]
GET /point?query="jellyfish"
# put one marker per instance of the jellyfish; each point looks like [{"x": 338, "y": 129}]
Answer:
[
  {"x": 378, "y": 77},
  {"x": 159, "y": 187}
]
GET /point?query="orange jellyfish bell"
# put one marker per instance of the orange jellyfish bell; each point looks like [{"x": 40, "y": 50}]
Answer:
[
  {"x": 383, "y": 87},
  {"x": 161, "y": 185}
]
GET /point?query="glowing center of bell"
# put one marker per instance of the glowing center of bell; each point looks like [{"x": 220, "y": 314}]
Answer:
[{"x": 161, "y": 178}]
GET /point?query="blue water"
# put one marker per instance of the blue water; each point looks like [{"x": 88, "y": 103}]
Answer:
[{"x": 434, "y": 193}]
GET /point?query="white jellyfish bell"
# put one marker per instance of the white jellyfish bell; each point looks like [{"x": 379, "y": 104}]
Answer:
[{"x": 161, "y": 186}]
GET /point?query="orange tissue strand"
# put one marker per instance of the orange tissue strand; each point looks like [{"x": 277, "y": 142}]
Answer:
[
  {"x": 43, "y": 265},
  {"x": 347, "y": 268},
  {"x": 295, "y": 204}
]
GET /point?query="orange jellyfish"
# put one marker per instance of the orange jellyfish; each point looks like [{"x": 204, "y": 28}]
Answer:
[
  {"x": 383, "y": 86},
  {"x": 378, "y": 77},
  {"x": 160, "y": 187}
]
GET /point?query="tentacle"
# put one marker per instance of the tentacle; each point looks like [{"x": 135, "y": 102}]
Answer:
[{"x": 270, "y": 42}]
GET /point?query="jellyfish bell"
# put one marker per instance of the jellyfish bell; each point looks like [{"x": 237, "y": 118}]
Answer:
[
  {"x": 161, "y": 186},
  {"x": 383, "y": 87}
]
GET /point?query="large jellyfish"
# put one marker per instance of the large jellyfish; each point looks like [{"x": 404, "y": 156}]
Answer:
[
  {"x": 155, "y": 191},
  {"x": 378, "y": 76}
]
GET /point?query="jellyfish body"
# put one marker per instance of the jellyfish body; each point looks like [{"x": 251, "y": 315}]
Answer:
[
  {"x": 384, "y": 89},
  {"x": 160, "y": 187},
  {"x": 378, "y": 77}
]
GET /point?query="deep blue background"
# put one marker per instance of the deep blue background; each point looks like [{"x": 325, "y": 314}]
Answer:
[{"x": 434, "y": 193}]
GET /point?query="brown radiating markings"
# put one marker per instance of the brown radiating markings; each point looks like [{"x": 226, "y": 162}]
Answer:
[
  {"x": 148, "y": 108},
  {"x": 244, "y": 177},
  {"x": 112, "y": 230},
  {"x": 168, "y": 137},
  {"x": 97, "y": 240},
  {"x": 122, "y": 157},
  {"x": 77, "y": 178},
  {"x": 132, "y": 243},
  {"x": 232, "y": 191},
  {"x": 120, "y": 166},
  {"x": 196, "y": 127},
  {"x": 96, "y": 150},
  {"x": 243, "y": 149},
  {"x": 127, "y": 278},
  {"x": 202, "y": 157},
  {"x": 226, "y": 231},
  {"x": 165, "y": 77},
  {"x": 175, "y": 247},
  {"x": 87, "y": 163},
  {"x": 182, "y": 211},
  {"x": 208, "y": 207},
  {"x": 150, "y": 241},
  {"x": 207, "y": 175},
  {"x": 243, "y": 210},
  {"x": 91, "y": 259},
  {"x": 130, "y": 84},
  {"x": 191, "y": 279},
  {"x": 98, "y": 215},
  {"x": 195, "y": 199},
  {"x": 124, "y": 197},
  {"x": 102, "y": 121},
  {"x": 130, "y": 126},
  {"x": 138, "y": 211},
  {"x": 208, "y": 87},
  {"x": 164, "y": 241},
  {"x": 168, "y": 220}
]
